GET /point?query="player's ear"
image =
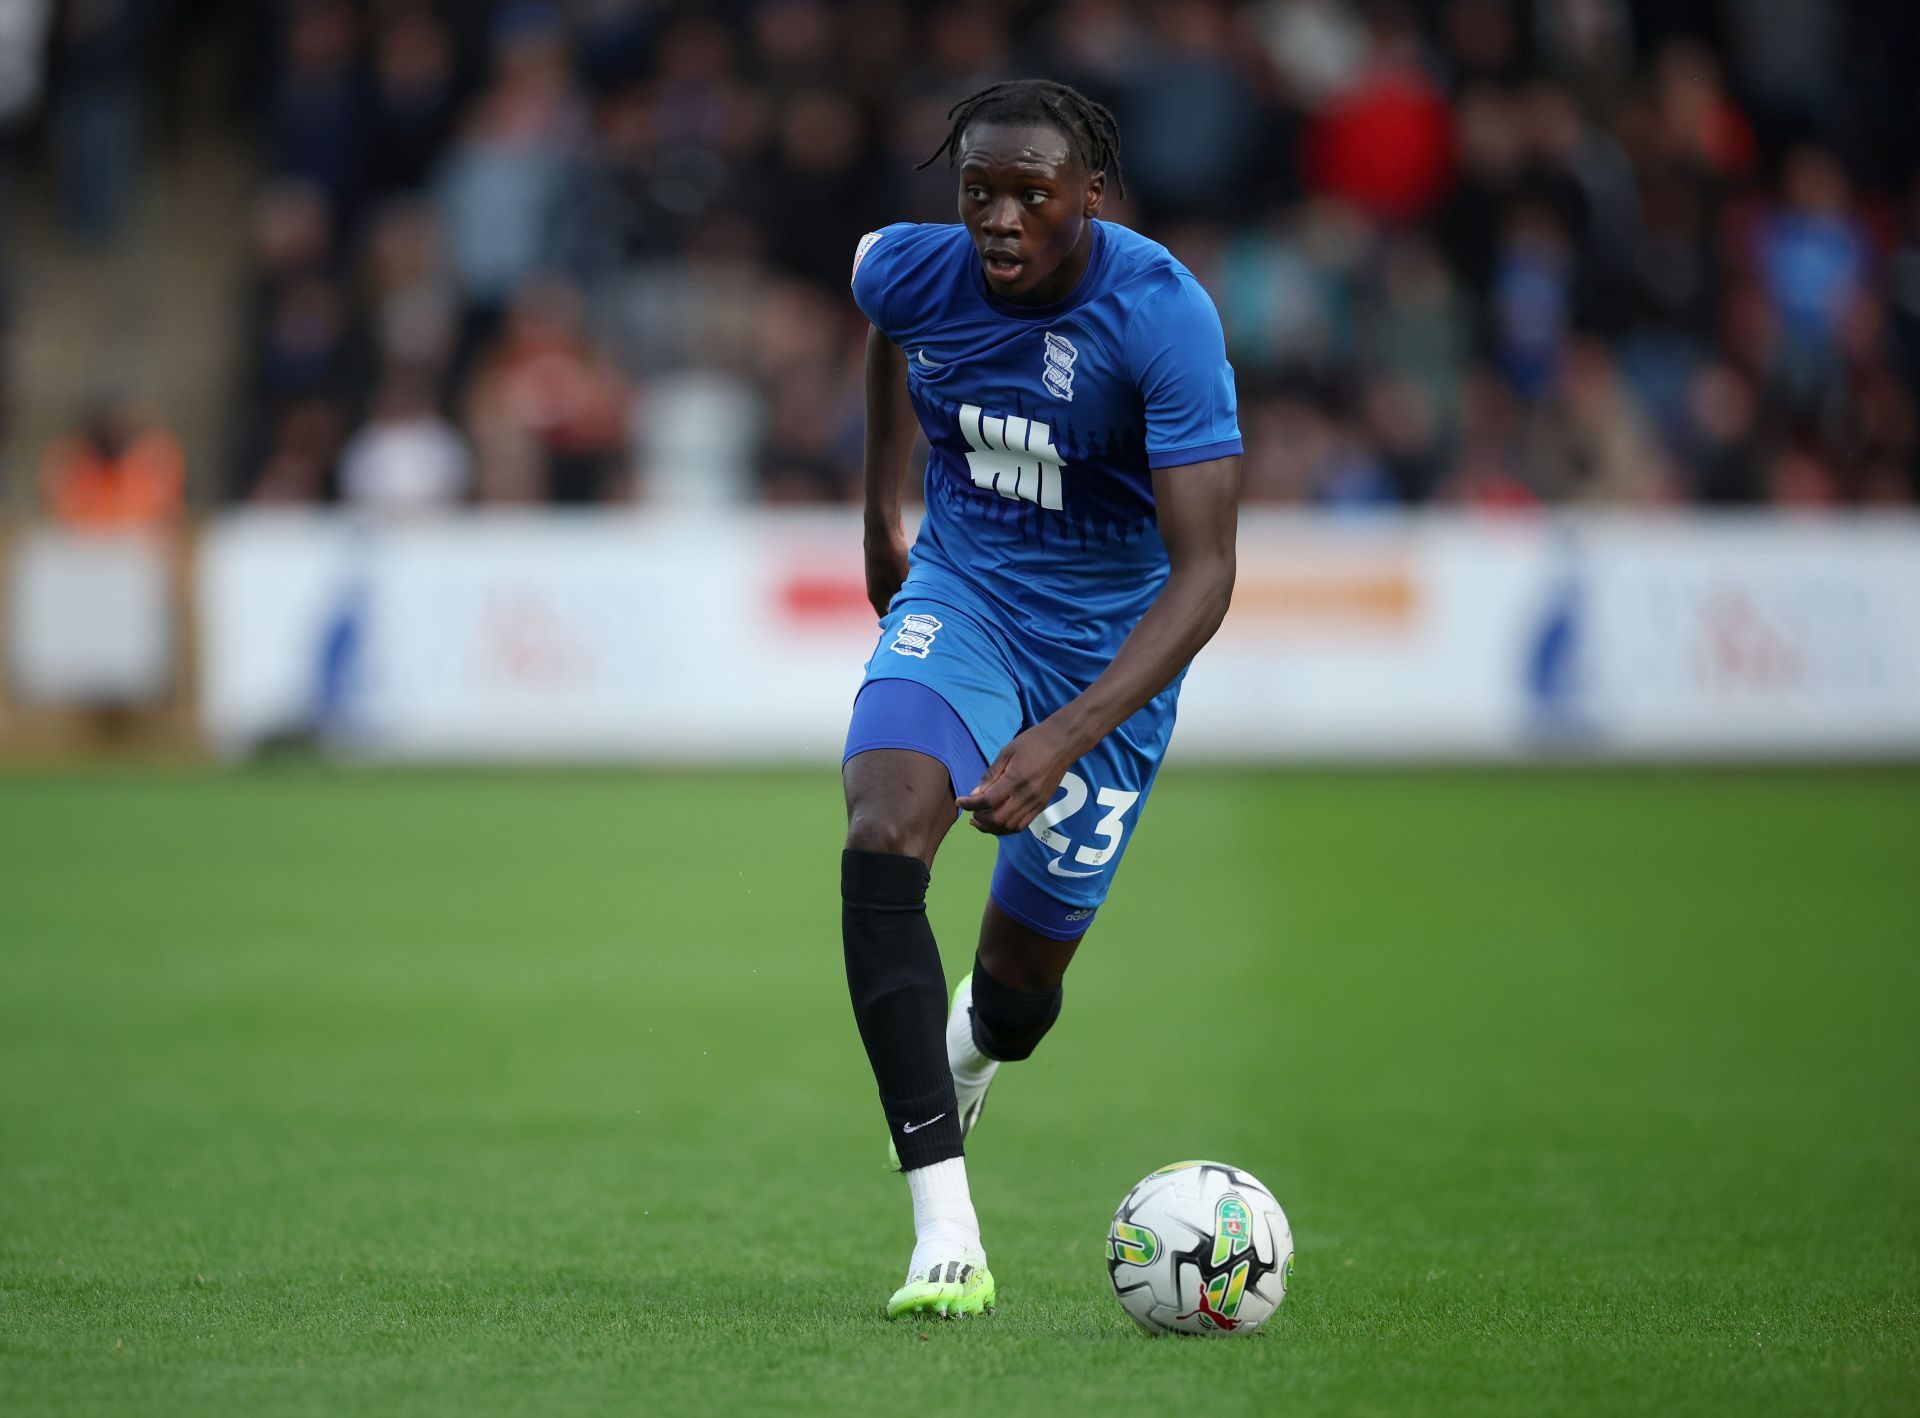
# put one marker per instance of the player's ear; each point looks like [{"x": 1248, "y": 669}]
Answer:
[{"x": 1096, "y": 194}]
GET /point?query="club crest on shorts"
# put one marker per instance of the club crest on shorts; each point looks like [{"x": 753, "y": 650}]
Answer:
[
  {"x": 915, "y": 636},
  {"x": 1057, "y": 370}
]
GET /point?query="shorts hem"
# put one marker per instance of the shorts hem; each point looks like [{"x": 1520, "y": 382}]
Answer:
[{"x": 1002, "y": 892}]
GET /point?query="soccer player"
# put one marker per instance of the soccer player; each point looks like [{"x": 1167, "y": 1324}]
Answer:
[{"x": 1077, "y": 550}]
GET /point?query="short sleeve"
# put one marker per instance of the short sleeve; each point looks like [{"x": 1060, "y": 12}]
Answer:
[
  {"x": 1178, "y": 357},
  {"x": 872, "y": 258}
]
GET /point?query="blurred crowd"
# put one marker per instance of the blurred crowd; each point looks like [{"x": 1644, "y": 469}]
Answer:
[{"x": 1473, "y": 252}]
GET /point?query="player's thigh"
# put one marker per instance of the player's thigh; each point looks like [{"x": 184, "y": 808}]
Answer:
[
  {"x": 899, "y": 800},
  {"x": 1020, "y": 957}
]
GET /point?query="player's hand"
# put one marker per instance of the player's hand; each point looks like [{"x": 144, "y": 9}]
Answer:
[
  {"x": 886, "y": 566},
  {"x": 1020, "y": 782}
]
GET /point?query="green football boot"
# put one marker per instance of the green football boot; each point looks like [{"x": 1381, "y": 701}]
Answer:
[{"x": 958, "y": 1288}]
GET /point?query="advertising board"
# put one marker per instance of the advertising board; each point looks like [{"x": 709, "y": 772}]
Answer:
[{"x": 741, "y": 636}]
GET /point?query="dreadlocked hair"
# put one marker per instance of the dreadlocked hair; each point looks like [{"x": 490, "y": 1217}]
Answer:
[{"x": 1088, "y": 127}]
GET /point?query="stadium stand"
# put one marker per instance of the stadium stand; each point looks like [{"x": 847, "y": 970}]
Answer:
[{"x": 1472, "y": 253}]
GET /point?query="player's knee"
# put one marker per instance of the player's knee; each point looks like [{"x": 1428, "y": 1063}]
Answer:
[
  {"x": 1009, "y": 1022},
  {"x": 875, "y": 828},
  {"x": 897, "y": 802}
]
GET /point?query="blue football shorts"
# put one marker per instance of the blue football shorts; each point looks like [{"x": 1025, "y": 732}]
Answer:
[{"x": 950, "y": 683}]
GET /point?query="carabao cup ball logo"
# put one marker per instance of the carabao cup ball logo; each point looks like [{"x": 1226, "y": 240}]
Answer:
[
  {"x": 1232, "y": 1228},
  {"x": 1220, "y": 1297},
  {"x": 1057, "y": 372}
]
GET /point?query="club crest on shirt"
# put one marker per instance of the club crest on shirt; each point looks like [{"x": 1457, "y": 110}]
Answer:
[{"x": 1057, "y": 370}]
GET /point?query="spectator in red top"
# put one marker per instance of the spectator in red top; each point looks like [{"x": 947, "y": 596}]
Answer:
[{"x": 1386, "y": 143}]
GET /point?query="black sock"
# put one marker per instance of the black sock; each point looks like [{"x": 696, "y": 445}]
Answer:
[
  {"x": 900, "y": 1001},
  {"x": 1008, "y": 1024}
]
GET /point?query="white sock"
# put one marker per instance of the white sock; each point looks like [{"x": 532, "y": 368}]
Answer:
[
  {"x": 943, "y": 1219},
  {"x": 971, "y": 1068}
]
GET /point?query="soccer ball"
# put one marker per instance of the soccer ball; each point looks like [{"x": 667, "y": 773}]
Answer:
[{"x": 1200, "y": 1248}]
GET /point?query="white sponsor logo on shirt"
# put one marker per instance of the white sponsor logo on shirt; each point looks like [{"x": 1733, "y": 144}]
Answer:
[{"x": 1014, "y": 456}]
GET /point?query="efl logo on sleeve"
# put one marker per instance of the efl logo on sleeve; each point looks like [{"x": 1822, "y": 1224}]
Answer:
[{"x": 860, "y": 253}]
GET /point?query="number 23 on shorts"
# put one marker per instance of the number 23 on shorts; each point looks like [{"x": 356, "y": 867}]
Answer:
[{"x": 1109, "y": 829}]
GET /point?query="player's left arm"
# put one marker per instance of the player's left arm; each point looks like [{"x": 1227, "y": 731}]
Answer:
[{"x": 1199, "y": 515}]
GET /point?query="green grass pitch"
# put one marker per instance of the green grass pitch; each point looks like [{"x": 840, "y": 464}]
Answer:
[{"x": 491, "y": 1093}]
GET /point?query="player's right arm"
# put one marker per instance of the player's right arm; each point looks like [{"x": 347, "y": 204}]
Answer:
[{"x": 891, "y": 425}]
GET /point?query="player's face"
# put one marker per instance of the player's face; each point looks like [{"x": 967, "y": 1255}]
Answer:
[{"x": 1029, "y": 203}]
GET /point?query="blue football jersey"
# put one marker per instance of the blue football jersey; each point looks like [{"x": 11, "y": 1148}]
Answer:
[{"x": 1045, "y": 423}]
